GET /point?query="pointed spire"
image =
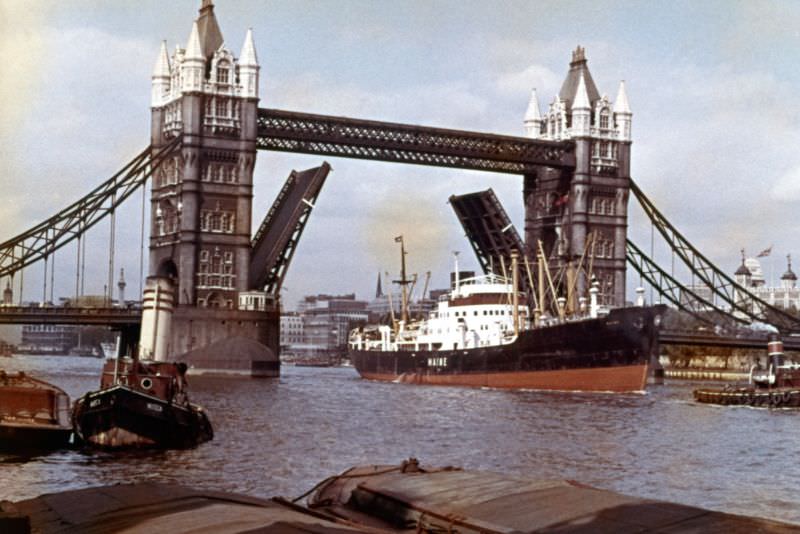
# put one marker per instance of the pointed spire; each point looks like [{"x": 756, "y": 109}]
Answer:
[
  {"x": 533, "y": 113},
  {"x": 248, "y": 57},
  {"x": 581, "y": 96},
  {"x": 379, "y": 289},
  {"x": 161, "y": 68},
  {"x": 621, "y": 103},
  {"x": 193, "y": 48}
]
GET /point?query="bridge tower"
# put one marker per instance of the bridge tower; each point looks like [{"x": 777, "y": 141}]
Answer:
[
  {"x": 567, "y": 211},
  {"x": 201, "y": 198}
]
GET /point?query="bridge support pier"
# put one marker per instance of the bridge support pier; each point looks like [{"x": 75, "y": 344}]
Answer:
[{"x": 223, "y": 341}]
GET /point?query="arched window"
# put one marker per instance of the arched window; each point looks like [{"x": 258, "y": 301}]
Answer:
[
  {"x": 604, "y": 119},
  {"x": 223, "y": 72}
]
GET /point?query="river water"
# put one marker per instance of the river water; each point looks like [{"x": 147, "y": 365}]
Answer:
[{"x": 281, "y": 436}]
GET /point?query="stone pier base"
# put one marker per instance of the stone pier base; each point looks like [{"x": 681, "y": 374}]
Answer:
[{"x": 222, "y": 341}]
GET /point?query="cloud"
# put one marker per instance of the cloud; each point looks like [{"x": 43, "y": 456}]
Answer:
[
  {"x": 541, "y": 77},
  {"x": 787, "y": 188}
]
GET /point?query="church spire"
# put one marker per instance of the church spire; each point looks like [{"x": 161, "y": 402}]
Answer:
[{"x": 379, "y": 289}]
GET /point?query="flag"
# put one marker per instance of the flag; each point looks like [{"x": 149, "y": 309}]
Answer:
[
  {"x": 398, "y": 239},
  {"x": 764, "y": 253}
]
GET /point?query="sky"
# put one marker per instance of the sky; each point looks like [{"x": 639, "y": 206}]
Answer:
[{"x": 713, "y": 87}]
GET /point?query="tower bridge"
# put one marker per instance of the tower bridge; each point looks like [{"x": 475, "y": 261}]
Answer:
[{"x": 206, "y": 130}]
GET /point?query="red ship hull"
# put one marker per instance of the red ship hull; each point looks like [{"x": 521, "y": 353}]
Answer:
[{"x": 611, "y": 353}]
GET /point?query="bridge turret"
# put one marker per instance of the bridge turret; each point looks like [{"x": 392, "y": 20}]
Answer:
[
  {"x": 201, "y": 203},
  {"x": 533, "y": 117},
  {"x": 194, "y": 63},
  {"x": 161, "y": 77},
  {"x": 248, "y": 67},
  {"x": 581, "y": 111},
  {"x": 622, "y": 113},
  {"x": 567, "y": 212}
]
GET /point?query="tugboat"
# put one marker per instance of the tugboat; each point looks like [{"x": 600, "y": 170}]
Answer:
[
  {"x": 34, "y": 415},
  {"x": 143, "y": 400},
  {"x": 777, "y": 386},
  {"x": 482, "y": 335}
]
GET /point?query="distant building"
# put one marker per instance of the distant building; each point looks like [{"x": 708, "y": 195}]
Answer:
[
  {"x": 48, "y": 338},
  {"x": 786, "y": 295},
  {"x": 291, "y": 330},
  {"x": 322, "y": 325}
]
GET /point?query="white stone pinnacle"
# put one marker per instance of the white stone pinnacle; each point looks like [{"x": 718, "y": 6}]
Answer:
[
  {"x": 533, "y": 113},
  {"x": 161, "y": 69},
  {"x": 193, "y": 48},
  {"x": 248, "y": 57},
  {"x": 621, "y": 103},
  {"x": 581, "y": 96}
]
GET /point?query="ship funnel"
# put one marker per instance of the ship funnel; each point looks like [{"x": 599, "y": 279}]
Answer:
[{"x": 157, "y": 304}]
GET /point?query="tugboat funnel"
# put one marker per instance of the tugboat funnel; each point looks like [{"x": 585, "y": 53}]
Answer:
[{"x": 157, "y": 305}]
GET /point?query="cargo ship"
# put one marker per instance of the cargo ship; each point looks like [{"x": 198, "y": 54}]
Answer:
[
  {"x": 143, "y": 399},
  {"x": 481, "y": 334}
]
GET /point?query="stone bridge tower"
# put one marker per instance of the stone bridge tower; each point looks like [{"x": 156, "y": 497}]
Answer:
[
  {"x": 587, "y": 209},
  {"x": 201, "y": 198}
]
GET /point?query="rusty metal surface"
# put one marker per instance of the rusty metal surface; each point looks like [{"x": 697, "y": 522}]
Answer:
[
  {"x": 290, "y": 131},
  {"x": 164, "y": 508},
  {"x": 472, "y": 501}
]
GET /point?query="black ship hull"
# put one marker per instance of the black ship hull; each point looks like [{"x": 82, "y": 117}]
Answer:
[
  {"x": 785, "y": 397},
  {"x": 26, "y": 438},
  {"x": 120, "y": 417},
  {"x": 611, "y": 353}
]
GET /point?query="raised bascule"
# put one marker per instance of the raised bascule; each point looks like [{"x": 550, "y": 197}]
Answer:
[{"x": 207, "y": 127}]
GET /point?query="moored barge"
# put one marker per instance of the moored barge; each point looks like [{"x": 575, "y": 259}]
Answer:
[{"x": 34, "y": 415}]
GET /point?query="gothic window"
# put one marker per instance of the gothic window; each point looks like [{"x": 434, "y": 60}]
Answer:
[
  {"x": 223, "y": 73},
  {"x": 216, "y": 223},
  {"x": 228, "y": 257},
  {"x": 221, "y": 108},
  {"x": 604, "y": 119},
  {"x": 203, "y": 255}
]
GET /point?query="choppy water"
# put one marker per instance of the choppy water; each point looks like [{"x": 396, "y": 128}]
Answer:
[{"x": 280, "y": 437}]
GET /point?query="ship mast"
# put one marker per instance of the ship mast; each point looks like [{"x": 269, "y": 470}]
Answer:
[{"x": 404, "y": 281}]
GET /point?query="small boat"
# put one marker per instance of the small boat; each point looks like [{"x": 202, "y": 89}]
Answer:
[
  {"x": 141, "y": 404},
  {"x": 143, "y": 399},
  {"x": 484, "y": 334},
  {"x": 34, "y": 415},
  {"x": 777, "y": 386}
]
